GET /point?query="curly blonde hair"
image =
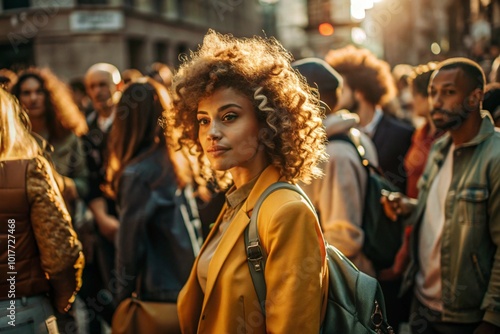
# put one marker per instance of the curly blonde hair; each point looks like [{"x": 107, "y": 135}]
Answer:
[{"x": 258, "y": 68}]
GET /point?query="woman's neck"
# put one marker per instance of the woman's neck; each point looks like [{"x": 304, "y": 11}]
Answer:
[{"x": 39, "y": 125}]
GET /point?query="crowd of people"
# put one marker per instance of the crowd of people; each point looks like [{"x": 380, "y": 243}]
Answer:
[{"x": 129, "y": 185}]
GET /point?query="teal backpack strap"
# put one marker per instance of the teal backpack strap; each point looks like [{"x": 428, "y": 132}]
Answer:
[{"x": 255, "y": 253}]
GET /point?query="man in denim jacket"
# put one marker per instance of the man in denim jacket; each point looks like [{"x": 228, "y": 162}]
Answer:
[{"x": 454, "y": 266}]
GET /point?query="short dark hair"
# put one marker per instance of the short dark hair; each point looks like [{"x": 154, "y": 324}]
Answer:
[
  {"x": 420, "y": 77},
  {"x": 471, "y": 69}
]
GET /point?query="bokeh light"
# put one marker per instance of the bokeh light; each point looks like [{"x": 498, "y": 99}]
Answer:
[
  {"x": 358, "y": 35},
  {"x": 326, "y": 29},
  {"x": 357, "y": 12},
  {"x": 435, "y": 48}
]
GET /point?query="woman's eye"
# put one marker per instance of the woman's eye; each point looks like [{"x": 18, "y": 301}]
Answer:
[
  {"x": 229, "y": 117},
  {"x": 203, "y": 121}
]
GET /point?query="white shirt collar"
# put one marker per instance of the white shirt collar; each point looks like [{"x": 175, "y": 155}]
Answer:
[
  {"x": 370, "y": 128},
  {"x": 105, "y": 123}
]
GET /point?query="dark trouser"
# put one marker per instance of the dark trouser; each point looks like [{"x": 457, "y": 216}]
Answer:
[
  {"x": 397, "y": 308},
  {"x": 29, "y": 315},
  {"x": 423, "y": 320}
]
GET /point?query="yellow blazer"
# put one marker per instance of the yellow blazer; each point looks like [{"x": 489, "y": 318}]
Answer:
[{"x": 295, "y": 273}]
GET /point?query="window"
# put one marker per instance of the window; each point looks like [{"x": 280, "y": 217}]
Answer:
[
  {"x": 182, "y": 48},
  {"x": 135, "y": 52},
  {"x": 92, "y": 2},
  {"x": 161, "y": 52},
  {"x": 14, "y": 4},
  {"x": 159, "y": 6},
  {"x": 319, "y": 12},
  {"x": 17, "y": 58}
]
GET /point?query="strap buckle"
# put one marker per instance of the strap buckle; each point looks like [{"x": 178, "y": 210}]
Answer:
[{"x": 254, "y": 255}]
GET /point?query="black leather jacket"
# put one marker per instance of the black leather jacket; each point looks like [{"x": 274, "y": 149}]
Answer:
[{"x": 154, "y": 246}]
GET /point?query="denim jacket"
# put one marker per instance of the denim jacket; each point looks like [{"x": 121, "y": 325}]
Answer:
[{"x": 470, "y": 256}]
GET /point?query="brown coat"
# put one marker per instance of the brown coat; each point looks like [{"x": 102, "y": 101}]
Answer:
[
  {"x": 47, "y": 252},
  {"x": 295, "y": 271}
]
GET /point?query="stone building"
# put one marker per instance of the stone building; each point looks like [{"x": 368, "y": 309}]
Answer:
[{"x": 70, "y": 35}]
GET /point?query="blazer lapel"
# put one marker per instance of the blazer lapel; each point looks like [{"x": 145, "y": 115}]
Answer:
[{"x": 236, "y": 228}]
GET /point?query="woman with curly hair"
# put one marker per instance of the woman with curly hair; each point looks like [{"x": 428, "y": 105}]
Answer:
[
  {"x": 40, "y": 255},
  {"x": 248, "y": 115},
  {"x": 56, "y": 118}
]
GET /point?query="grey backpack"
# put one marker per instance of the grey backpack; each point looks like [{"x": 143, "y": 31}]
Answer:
[{"x": 355, "y": 300}]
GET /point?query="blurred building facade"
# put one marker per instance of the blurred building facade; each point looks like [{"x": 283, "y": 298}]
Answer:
[
  {"x": 427, "y": 30},
  {"x": 399, "y": 31},
  {"x": 298, "y": 25},
  {"x": 70, "y": 35}
]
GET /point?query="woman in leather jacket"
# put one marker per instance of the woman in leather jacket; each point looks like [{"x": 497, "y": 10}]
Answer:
[
  {"x": 40, "y": 253},
  {"x": 157, "y": 242}
]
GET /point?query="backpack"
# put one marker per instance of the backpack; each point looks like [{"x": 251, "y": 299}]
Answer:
[
  {"x": 355, "y": 302},
  {"x": 383, "y": 237}
]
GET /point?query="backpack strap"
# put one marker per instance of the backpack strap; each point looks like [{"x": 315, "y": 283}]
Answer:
[
  {"x": 256, "y": 255},
  {"x": 353, "y": 137}
]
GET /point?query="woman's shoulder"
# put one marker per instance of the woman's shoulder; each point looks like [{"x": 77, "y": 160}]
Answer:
[
  {"x": 285, "y": 202},
  {"x": 155, "y": 160},
  {"x": 151, "y": 167},
  {"x": 38, "y": 164},
  {"x": 39, "y": 176},
  {"x": 22, "y": 168}
]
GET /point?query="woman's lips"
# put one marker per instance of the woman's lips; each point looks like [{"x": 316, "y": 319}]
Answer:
[{"x": 217, "y": 150}]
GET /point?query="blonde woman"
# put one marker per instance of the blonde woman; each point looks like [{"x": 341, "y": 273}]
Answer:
[{"x": 39, "y": 249}]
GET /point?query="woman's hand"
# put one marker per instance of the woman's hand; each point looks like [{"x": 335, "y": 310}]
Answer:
[{"x": 108, "y": 226}]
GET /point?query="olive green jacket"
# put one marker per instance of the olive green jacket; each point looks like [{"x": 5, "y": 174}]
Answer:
[{"x": 470, "y": 252}]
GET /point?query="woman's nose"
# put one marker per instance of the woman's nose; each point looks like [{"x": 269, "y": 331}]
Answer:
[{"x": 213, "y": 131}]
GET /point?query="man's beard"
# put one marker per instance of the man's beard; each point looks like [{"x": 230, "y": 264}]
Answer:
[{"x": 452, "y": 119}]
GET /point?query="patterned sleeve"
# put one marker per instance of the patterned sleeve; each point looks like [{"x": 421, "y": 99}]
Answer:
[{"x": 60, "y": 251}]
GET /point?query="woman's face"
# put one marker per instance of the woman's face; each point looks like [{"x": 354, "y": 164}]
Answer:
[
  {"x": 228, "y": 133},
  {"x": 32, "y": 97}
]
